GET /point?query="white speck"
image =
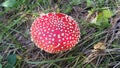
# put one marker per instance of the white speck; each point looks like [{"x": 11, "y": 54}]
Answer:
[
  {"x": 41, "y": 48},
  {"x": 58, "y": 35},
  {"x": 71, "y": 27},
  {"x": 41, "y": 19},
  {"x": 70, "y": 23},
  {"x": 67, "y": 46},
  {"x": 49, "y": 41},
  {"x": 54, "y": 35},
  {"x": 56, "y": 29},
  {"x": 70, "y": 48},
  {"x": 73, "y": 38},
  {"x": 61, "y": 30},
  {"x": 62, "y": 34},
  {"x": 43, "y": 41},
  {"x": 39, "y": 33},
  {"x": 67, "y": 34},
  {"x": 59, "y": 40},
  {"x": 49, "y": 38},
  {"x": 52, "y": 21},
  {"x": 68, "y": 28},
  {"x": 55, "y": 20},
  {"x": 44, "y": 27},
  {"x": 67, "y": 38},
  {"x": 61, "y": 47},
  {"x": 58, "y": 50},
  {"x": 31, "y": 39},
  {"x": 63, "y": 39},
  {"x": 64, "y": 42},
  {"x": 65, "y": 30},
  {"x": 40, "y": 37},
  {"x": 58, "y": 45},
  {"x": 46, "y": 38},
  {"x": 48, "y": 46},
  {"x": 59, "y": 25},
  {"x": 45, "y": 19},
  {"x": 53, "y": 39},
  {"x": 43, "y": 34},
  {"x": 68, "y": 41},
  {"x": 45, "y": 30},
  {"x": 61, "y": 21},
  {"x": 48, "y": 28},
  {"x": 51, "y": 45},
  {"x": 34, "y": 36},
  {"x": 52, "y": 30},
  {"x": 49, "y": 35},
  {"x": 71, "y": 30}
]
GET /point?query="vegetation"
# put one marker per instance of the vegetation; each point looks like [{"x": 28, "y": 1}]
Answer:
[{"x": 99, "y": 45}]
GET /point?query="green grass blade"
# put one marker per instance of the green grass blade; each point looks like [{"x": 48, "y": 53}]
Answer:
[{"x": 49, "y": 61}]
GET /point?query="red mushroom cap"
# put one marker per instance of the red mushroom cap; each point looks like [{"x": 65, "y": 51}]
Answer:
[{"x": 55, "y": 32}]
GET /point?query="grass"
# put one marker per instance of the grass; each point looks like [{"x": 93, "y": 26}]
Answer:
[{"x": 17, "y": 50}]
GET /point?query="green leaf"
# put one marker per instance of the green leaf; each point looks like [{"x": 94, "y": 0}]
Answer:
[
  {"x": 107, "y": 13},
  {"x": 83, "y": 32},
  {"x": 41, "y": 1},
  {"x": 7, "y": 65},
  {"x": 0, "y": 65},
  {"x": 2, "y": 47},
  {"x": 101, "y": 19},
  {"x": 88, "y": 66},
  {"x": 68, "y": 9},
  {"x": 89, "y": 3},
  {"x": 75, "y": 2},
  {"x": 0, "y": 58},
  {"x": 12, "y": 59},
  {"x": 9, "y": 3}
]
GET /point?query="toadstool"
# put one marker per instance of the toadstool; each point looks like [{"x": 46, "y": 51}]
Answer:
[{"x": 55, "y": 32}]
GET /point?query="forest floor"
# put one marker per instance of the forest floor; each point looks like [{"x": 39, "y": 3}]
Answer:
[{"x": 98, "y": 47}]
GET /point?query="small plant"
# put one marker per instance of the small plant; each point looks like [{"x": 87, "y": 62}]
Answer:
[{"x": 100, "y": 17}]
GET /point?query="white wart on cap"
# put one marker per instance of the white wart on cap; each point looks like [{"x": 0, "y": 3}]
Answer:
[{"x": 55, "y": 32}]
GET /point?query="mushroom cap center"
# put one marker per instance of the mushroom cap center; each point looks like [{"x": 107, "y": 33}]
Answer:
[{"x": 55, "y": 32}]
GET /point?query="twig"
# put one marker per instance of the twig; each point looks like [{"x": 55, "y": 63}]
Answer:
[{"x": 116, "y": 65}]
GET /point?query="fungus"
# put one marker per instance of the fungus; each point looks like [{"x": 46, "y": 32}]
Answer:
[{"x": 55, "y": 32}]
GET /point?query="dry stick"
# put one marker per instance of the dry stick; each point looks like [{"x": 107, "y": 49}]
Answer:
[
  {"x": 42, "y": 55},
  {"x": 112, "y": 37},
  {"x": 31, "y": 48},
  {"x": 100, "y": 58},
  {"x": 107, "y": 36},
  {"x": 107, "y": 51},
  {"x": 116, "y": 65},
  {"x": 113, "y": 51},
  {"x": 52, "y": 5}
]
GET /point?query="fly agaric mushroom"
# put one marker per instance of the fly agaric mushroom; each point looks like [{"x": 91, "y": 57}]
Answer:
[{"x": 55, "y": 32}]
